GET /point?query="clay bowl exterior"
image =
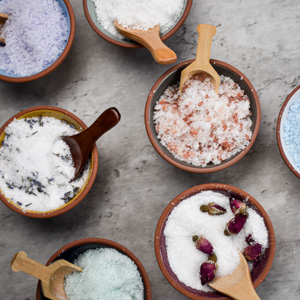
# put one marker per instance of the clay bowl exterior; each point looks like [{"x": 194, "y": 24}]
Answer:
[
  {"x": 62, "y": 114},
  {"x": 89, "y": 9},
  {"x": 72, "y": 250},
  {"x": 69, "y": 14},
  {"x": 258, "y": 273},
  {"x": 280, "y": 123},
  {"x": 171, "y": 77}
]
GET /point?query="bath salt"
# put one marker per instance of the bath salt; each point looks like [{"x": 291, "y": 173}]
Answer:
[
  {"x": 107, "y": 274},
  {"x": 140, "y": 15},
  {"x": 186, "y": 220},
  {"x": 35, "y": 33},
  {"x": 36, "y": 166},
  {"x": 200, "y": 127}
]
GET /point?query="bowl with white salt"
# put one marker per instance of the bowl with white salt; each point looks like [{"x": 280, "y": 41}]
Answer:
[
  {"x": 197, "y": 130},
  {"x": 288, "y": 131},
  {"x": 200, "y": 233},
  {"x": 139, "y": 15},
  {"x": 110, "y": 271},
  {"x": 36, "y": 166},
  {"x": 38, "y": 37}
]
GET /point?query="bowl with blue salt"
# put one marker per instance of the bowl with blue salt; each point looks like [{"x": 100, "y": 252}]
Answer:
[
  {"x": 288, "y": 131},
  {"x": 36, "y": 166},
  {"x": 110, "y": 271},
  {"x": 38, "y": 37}
]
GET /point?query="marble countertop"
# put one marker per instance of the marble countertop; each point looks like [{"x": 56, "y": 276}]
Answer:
[{"x": 134, "y": 184}]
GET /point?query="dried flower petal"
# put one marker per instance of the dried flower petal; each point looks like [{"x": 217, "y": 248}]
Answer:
[
  {"x": 237, "y": 206},
  {"x": 235, "y": 225},
  {"x": 213, "y": 209},
  {"x": 203, "y": 244},
  {"x": 208, "y": 271},
  {"x": 250, "y": 240},
  {"x": 252, "y": 252}
]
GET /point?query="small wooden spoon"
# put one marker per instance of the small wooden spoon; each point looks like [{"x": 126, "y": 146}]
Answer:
[
  {"x": 152, "y": 41},
  {"x": 52, "y": 277},
  {"x": 3, "y": 18},
  {"x": 238, "y": 285},
  {"x": 82, "y": 143},
  {"x": 202, "y": 64}
]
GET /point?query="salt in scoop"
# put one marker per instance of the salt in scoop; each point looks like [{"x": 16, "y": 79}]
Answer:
[
  {"x": 3, "y": 18},
  {"x": 237, "y": 285},
  {"x": 152, "y": 41},
  {"x": 202, "y": 64},
  {"x": 82, "y": 143},
  {"x": 52, "y": 277}
]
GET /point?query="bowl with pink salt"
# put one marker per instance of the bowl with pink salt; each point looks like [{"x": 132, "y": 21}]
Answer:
[
  {"x": 110, "y": 271},
  {"x": 198, "y": 130},
  {"x": 200, "y": 233},
  {"x": 36, "y": 167}
]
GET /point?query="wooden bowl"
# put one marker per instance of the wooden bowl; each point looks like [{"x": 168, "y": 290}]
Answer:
[
  {"x": 62, "y": 114},
  {"x": 72, "y": 250},
  {"x": 291, "y": 98},
  {"x": 90, "y": 13},
  {"x": 69, "y": 14},
  {"x": 171, "y": 77},
  {"x": 258, "y": 273}
]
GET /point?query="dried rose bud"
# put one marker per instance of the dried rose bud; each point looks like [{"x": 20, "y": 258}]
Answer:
[
  {"x": 252, "y": 252},
  {"x": 238, "y": 207},
  {"x": 250, "y": 240},
  {"x": 203, "y": 244},
  {"x": 235, "y": 225},
  {"x": 213, "y": 209},
  {"x": 208, "y": 271}
]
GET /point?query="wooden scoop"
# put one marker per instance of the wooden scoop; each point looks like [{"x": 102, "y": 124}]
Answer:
[
  {"x": 152, "y": 41},
  {"x": 81, "y": 144},
  {"x": 202, "y": 64},
  {"x": 238, "y": 285},
  {"x": 3, "y": 18},
  {"x": 52, "y": 277}
]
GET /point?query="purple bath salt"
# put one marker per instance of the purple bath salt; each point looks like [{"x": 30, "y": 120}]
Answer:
[{"x": 35, "y": 33}]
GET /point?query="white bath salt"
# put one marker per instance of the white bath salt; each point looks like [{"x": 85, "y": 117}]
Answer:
[
  {"x": 186, "y": 220},
  {"x": 36, "y": 166},
  {"x": 200, "y": 127},
  {"x": 35, "y": 33},
  {"x": 140, "y": 15},
  {"x": 107, "y": 275}
]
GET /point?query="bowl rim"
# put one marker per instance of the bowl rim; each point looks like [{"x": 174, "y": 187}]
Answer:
[
  {"x": 136, "y": 45},
  {"x": 59, "y": 60},
  {"x": 111, "y": 244},
  {"x": 278, "y": 134},
  {"x": 191, "y": 168},
  {"x": 194, "y": 190},
  {"x": 57, "y": 212}
]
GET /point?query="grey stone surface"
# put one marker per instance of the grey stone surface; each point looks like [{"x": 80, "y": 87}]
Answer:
[{"x": 134, "y": 184}]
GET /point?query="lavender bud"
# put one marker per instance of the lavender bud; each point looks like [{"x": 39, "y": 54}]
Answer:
[
  {"x": 208, "y": 272},
  {"x": 213, "y": 209},
  {"x": 252, "y": 252},
  {"x": 235, "y": 225},
  {"x": 203, "y": 244}
]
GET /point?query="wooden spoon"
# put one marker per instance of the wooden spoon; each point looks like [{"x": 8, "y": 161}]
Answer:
[
  {"x": 52, "y": 277},
  {"x": 81, "y": 144},
  {"x": 152, "y": 41},
  {"x": 3, "y": 18},
  {"x": 238, "y": 285},
  {"x": 202, "y": 64}
]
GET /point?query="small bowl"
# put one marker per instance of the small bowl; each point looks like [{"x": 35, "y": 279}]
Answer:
[
  {"x": 90, "y": 13},
  {"x": 62, "y": 114},
  {"x": 69, "y": 14},
  {"x": 291, "y": 98},
  {"x": 72, "y": 250},
  {"x": 171, "y": 77},
  {"x": 258, "y": 273}
]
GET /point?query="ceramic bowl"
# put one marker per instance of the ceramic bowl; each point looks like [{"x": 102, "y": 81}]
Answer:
[
  {"x": 258, "y": 273},
  {"x": 72, "y": 250},
  {"x": 69, "y": 14},
  {"x": 171, "y": 77},
  {"x": 90, "y": 13},
  {"x": 62, "y": 114},
  {"x": 292, "y": 97}
]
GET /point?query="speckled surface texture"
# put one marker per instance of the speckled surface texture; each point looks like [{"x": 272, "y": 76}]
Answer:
[{"x": 134, "y": 184}]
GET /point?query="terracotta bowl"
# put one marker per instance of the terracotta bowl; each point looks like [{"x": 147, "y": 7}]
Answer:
[
  {"x": 258, "y": 273},
  {"x": 292, "y": 97},
  {"x": 69, "y": 14},
  {"x": 90, "y": 13},
  {"x": 171, "y": 77},
  {"x": 72, "y": 250},
  {"x": 62, "y": 114}
]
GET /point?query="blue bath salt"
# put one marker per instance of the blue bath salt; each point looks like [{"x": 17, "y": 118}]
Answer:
[{"x": 291, "y": 133}]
